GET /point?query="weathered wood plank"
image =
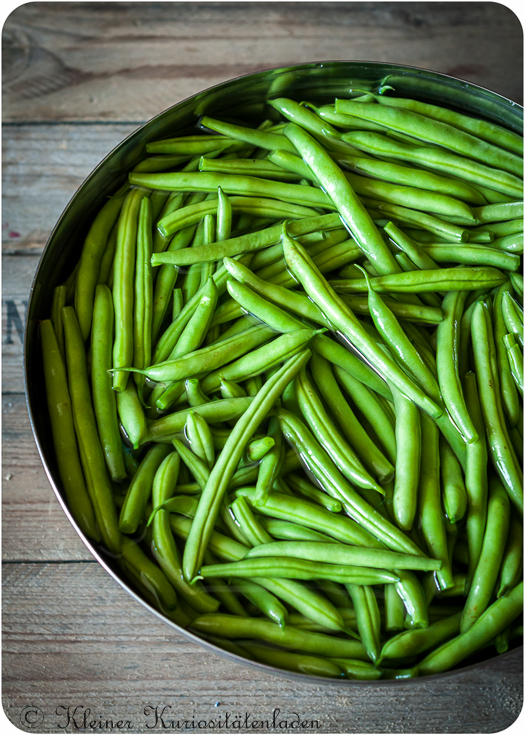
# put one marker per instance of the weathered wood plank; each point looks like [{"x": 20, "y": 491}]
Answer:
[
  {"x": 43, "y": 166},
  {"x": 34, "y": 525},
  {"x": 98, "y": 648},
  {"x": 129, "y": 61},
  {"x": 18, "y": 273}
]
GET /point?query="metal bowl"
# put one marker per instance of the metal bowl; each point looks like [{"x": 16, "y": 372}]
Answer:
[{"x": 241, "y": 97}]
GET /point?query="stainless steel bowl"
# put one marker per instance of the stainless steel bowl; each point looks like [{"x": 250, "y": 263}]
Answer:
[{"x": 244, "y": 97}]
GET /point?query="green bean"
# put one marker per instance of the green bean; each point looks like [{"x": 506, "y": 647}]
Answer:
[
  {"x": 247, "y": 166},
  {"x": 258, "y": 448},
  {"x": 399, "y": 344},
  {"x": 224, "y": 468},
  {"x": 306, "y": 513},
  {"x": 150, "y": 574},
  {"x": 417, "y": 313},
  {"x": 306, "y": 490},
  {"x": 292, "y": 163},
  {"x": 90, "y": 259},
  {"x": 412, "y": 197},
  {"x": 225, "y": 593},
  {"x": 517, "y": 282},
  {"x": 476, "y": 479},
  {"x": 439, "y": 159},
  {"x": 515, "y": 356},
  {"x": 259, "y": 138},
  {"x": 267, "y": 602},
  {"x": 255, "y": 304},
  {"x": 343, "y": 358},
  {"x": 191, "y": 337},
  {"x": 194, "y": 393},
  {"x": 106, "y": 271},
  {"x": 340, "y": 191},
  {"x": 131, "y": 415},
  {"x": 206, "y": 358},
  {"x": 477, "y": 255},
  {"x": 411, "y": 592},
  {"x": 249, "y": 186},
  {"x": 408, "y": 460},
  {"x": 165, "y": 279},
  {"x": 487, "y": 131},
  {"x": 140, "y": 488},
  {"x": 412, "y": 177},
  {"x": 445, "y": 279},
  {"x": 507, "y": 227},
  {"x": 509, "y": 395},
  {"x": 58, "y": 303},
  {"x": 169, "y": 338},
  {"x": 410, "y": 247},
  {"x": 512, "y": 563},
  {"x": 123, "y": 285},
  {"x": 328, "y": 435},
  {"x": 394, "y": 610},
  {"x": 197, "y": 465},
  {"x": 313, "y": 605},
  {"x": 366, "y": 450},
  {"x": 260, "y": 360},
  {"x": 498, "y": 212},
  {"x": 513, "y": 318},
  {"x": 191, "y": 144},
  {"x": 359, "y": 670},
  {"x": 178, "y": 303},
  {"x": 373, "y": 409},
  {"x": 199, "y": 435},
  {"x": 500, "y": 448},
  {"x": 509, "y": 243},
  {"x": 287, "y": 531},
  {"x": 440, "y": 226},
  {"x": 163, "y": 547},
  {"x": 453, "y": 489},
  {"x": 290, "y": 568},
  {"x": 63, "y": 431},
  {"x": 433, "y": 131},
  {"x": 484, "y": 578},
  {"x": 252, "y": 529},
  {"x": 174, "y": 201},
  {"x": 343, "y": 554},
  {"x": 192, "y": 214},
  {"x": 430, "y": 514},
  {"x": 447, "y": 364},
  {"x": 298, "y": 662},
  {"x": 91, "y": 454},
  {"x": 297, "y": 303},
  {"x": 332, "y": 481},
  {"x": 104, "y": 400},
  {"x": 231, "y": 389},
  {"x": 222, "y": 546},
  {"x": 142, "y": 321},
  {"x": 368, "y": 618},
  {"x": 160, "y": 163},
  {"x": 253, "y": 241},
  {"x": 417, "y": 641},
  {"x": 345, "y": 321},
  {"x": 495, "y": 618}
]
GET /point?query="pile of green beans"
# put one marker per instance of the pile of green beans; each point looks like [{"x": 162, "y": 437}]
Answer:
[{"x": 285, "y": 385}]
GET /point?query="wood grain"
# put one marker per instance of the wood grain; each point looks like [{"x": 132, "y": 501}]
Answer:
[
  {"x": 130, "y": 61},
  {"x": 34, "y": 525},
  {"x": 101, "y": 649},
  {"x": 43, "y": 166}
]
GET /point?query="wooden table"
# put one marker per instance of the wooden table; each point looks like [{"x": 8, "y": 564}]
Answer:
[{"x": 78, "y": 77}]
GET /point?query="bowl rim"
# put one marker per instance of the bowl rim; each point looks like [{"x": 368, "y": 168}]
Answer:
[{"x": 102, "y": 559}]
